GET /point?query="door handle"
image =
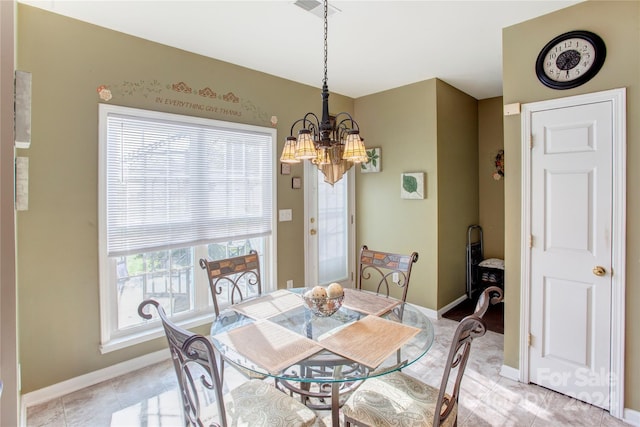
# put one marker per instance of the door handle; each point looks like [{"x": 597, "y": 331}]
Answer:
[
  {"x": 598, "y": 270},
  {"x": 313, "y": 232}
]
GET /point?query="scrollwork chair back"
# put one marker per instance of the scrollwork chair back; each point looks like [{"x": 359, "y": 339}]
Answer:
[
  {"x": 400, "y": 399},
  {"x": 377, "y": 269},
  {"x": 490, "y": 296},
  {"x": 252, "y": 403},
  {"x": 231, "y": 274},
  {"x": 193, "y": 360}
]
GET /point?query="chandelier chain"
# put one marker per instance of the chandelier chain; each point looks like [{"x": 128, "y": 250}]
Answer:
[
  {"x": 326, "y": 28},
  {"x": 331, "y": 142}
]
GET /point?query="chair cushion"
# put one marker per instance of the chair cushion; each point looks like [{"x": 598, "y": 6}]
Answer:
[
  {"x": 492, "y": 263},
  {"x": 257, "y": 403},
  {"x": 395, "y": 399}
]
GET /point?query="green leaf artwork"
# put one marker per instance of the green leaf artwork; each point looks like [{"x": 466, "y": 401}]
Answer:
[
  {"x": 373, "y": 162},
  {"x": 412, "y": 186},
  {"x": 409, "y": 183}
]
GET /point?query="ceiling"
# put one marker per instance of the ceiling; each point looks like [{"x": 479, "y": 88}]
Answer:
[{"x": 372, "y": 45}]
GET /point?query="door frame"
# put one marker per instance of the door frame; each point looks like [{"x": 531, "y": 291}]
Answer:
[
  {"x": 311, "y": 172},
  {"x": 617, "y": 97}
]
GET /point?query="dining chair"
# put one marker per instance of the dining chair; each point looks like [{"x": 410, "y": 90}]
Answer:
[
  {"x": 253, "y": 403},
  {"x": 383, "y": 271},
  {"x": 238, "y": 277},
  {"x": 489, "y": 296},
  {"x": 400, "y": 399}
]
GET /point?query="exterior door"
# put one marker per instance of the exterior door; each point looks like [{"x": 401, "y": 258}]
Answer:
[
  {"x": 329, "y": 228},
  {"x": 571, "y": 250}
]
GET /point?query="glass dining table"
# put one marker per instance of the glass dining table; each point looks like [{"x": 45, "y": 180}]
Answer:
[{"x": 321, "y": 359}]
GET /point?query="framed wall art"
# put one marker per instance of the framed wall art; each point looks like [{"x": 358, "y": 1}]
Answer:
[
  {"x": 412, "y": 185},
  {"x": 375, "y": 161}
]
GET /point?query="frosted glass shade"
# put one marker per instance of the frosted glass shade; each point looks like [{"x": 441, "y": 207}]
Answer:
[
  {"x": 354, "y": 150},
  {"x": 305, "y": 148},
  {"x": 289, "y": 151}
]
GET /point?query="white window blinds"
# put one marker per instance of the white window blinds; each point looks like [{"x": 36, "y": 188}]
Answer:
[{"x": 176, "y": 181}]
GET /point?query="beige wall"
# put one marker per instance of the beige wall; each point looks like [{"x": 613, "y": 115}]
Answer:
[
  {"x": 491, "y": 192},
  {"x": 58, "y": 235},
  {"x": 617, "y": 22},
  {"x": 402, "y": 122},
  {"x": 428, "y": 127},
  {"x": 8, "y": 297},
  {"x": 457, "y": 187}
]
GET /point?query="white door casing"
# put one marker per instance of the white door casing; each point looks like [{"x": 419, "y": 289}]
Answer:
[
  {"x": 572, "y": 320},
  {"x": 329, "y": 228}
]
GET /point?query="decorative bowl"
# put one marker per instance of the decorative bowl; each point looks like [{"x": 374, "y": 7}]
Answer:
[{"x": 322, "y": 306}]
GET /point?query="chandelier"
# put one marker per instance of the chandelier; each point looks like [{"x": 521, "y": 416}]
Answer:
[{"x": 332, "y": 143}]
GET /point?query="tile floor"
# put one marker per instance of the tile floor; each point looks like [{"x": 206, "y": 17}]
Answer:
[{"x": 149, "y": 397}]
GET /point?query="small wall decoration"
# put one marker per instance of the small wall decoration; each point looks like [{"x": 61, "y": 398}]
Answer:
[
  {"x": 285, "y": 168},
  {"x": 374, "y": 163},
  {"x": 296, "y": 182},
  {"x": 412, "y": 185},
  {"x": 498, "y": 163}
]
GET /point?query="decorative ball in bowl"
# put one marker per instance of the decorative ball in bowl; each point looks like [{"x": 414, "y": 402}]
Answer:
[{"x": 323, "y": 302}]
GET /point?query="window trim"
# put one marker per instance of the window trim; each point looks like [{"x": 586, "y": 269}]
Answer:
[{"x": 110, "y": 338}]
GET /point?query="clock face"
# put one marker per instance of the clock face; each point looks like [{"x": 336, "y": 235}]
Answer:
[{"x": 570, "y": 59}]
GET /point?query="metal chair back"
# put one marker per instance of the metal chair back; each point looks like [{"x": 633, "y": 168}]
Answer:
[
  {"x": 195, "y": 365},
  {"x": 469, "y": 328},
  {"x": 232, "y": 275},
  {"x": 379, "y": 269}
]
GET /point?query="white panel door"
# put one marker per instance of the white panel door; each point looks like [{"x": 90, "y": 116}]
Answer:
[{"x": 571, "y": 254}]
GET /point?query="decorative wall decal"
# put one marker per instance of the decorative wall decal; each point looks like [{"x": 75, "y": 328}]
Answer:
[
  {"x": 230, "y": 97},
  {"x": 412, "y": 185},
  {"x": 104, "y": 93},
  {"x": 129, "y": 88},
  {"x": 207, "y": 92},
  {"x": 257, "y": 112},
  {"x": 186, "y": 99},
  {"x": 274, "y": 120},
  {"x": 181, "y": 87}
]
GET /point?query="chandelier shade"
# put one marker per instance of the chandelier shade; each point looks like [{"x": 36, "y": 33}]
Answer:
[
  {"x": 332, "y": 143},
  {"x": 289, "y": 151},
  {"x": 354, "y": 148}
]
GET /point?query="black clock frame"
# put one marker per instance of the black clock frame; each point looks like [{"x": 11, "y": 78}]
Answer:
[{"x": 600, "y": 53}]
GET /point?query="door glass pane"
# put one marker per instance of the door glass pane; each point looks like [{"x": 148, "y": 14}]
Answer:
[{"x": 333, "y": 227}]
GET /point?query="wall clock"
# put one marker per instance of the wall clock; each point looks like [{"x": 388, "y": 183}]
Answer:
[{"x": 570, "y": 59}]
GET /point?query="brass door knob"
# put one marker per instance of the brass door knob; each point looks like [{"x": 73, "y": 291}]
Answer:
[
  {"x": 313, "y": 232},
  {"x": 598, "y": 270}
]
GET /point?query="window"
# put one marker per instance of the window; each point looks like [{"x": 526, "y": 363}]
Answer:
[{"x": 174, "y": 189}]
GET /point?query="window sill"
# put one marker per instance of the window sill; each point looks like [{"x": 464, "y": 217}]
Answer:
[{"x": 153, "y": 333}]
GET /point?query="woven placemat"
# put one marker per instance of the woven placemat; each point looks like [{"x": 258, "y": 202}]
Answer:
[
  {"x": 269, "y": 345},
  {"x": 367, "y": 302},
  {"x": 370, "y": 340},
  {"x": 269, "y": 305}
]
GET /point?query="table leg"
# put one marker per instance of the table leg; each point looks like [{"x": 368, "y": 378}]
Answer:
[{"x": 335, "y": 404}]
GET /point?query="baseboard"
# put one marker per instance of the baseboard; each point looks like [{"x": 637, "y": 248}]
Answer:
[
  {"x": 432, "y": 314},
  {"x": 452, "y": 304},
  {"x": 510, "y": 373},
  {"x": 74, "y": 384},
  {"x": 632, "y": 417}
]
